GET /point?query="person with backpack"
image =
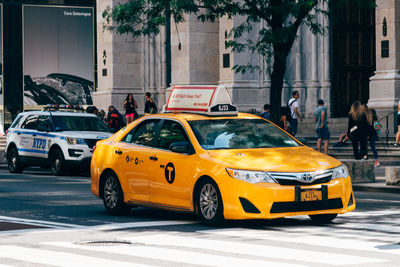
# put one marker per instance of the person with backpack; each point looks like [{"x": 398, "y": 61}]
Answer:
[
  {"x": 115, "y": 120},
  {"x": 293, "y": 113},
  {"x": 266, "y": 114},
  {"x": 321, "y": 127}
]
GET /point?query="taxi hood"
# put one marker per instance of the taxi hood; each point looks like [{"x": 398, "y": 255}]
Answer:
[
  {"x": 288, "y": 159},
  {"x": 86, "y": 134}
]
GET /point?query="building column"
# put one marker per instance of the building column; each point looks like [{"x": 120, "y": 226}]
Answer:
[
  {"x": 384, "y": 87},
  {"x": 298, "y": 84},
  {"x": 326, "y": 57}
]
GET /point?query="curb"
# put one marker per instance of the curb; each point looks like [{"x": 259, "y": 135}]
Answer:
[{"x": 379, "y": 189}]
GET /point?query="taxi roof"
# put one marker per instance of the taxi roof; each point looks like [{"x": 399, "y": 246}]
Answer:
[{"x": 193, "y": 116}]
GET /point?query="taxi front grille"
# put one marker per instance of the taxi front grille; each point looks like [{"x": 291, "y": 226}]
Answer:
[
  {"x": 300, "y": 178},
  {"x": 296, "y": 206},
  {"x": 91, "y": 142}
]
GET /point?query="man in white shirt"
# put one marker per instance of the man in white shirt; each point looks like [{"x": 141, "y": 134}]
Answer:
[{"x": 293, "y": 103}]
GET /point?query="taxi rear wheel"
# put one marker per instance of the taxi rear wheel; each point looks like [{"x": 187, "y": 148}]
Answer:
[
  {"x": 113, "y": 196},
  {"x": 323, "y": 218},
  {"x": 209, "y": 203},
  {"x": 57, "y": 162},
  {"x": 14, "y": 162}
]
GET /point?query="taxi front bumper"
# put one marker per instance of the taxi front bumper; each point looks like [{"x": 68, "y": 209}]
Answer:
[{"x": 244, "y": 200}]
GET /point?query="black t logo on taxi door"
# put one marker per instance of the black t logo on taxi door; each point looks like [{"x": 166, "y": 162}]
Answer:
[{"x": 170, "y": 173}]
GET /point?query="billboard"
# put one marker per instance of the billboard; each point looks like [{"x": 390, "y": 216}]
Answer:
[{"x": 58, "y": 51}]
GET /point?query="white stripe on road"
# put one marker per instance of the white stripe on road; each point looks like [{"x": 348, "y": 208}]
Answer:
[
  {"x": 42, "y": 256},
  {"x": 38, "y": 222},
  {"x": 317, "y": 238},
  {"x": 274, "y": 252},
  {"x": 116, "y": 226},
  {"x": 147, "y": 250}
]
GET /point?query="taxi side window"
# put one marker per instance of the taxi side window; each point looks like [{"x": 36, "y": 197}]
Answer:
[
  {"x": 30, "y": 122},
  {"x": 44, "y": 122},
  {"x": 171, "y": 132},
  {"x": 143, "y": 134}
]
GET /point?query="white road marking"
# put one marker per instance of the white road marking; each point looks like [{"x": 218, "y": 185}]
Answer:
[
  {"x": 42, "y": 256},
  {"x": 38, "y": 222},
  {"x": 274, "y": 252},
  {"x": 116, "y": 226},
  {"x": 175, "y": 255}
]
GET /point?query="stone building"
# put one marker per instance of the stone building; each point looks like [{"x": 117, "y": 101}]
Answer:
[{"x": 341, "y": 66}]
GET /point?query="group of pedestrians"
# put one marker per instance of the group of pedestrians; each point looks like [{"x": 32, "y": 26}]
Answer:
[
  {"x": 363, "y": 126},
  {"x": 115, "y": 120}
]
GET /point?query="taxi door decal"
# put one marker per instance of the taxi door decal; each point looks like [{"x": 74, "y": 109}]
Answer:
[{"x": 170, "y": 173}]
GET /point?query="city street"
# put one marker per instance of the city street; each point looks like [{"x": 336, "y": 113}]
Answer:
[{"x": 56, "y": 221}]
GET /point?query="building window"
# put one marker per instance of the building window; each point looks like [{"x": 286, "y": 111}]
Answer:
[{"x": 226, "y": 60}]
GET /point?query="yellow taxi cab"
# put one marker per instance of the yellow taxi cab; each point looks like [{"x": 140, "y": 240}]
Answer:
[{"x": 203, "y": 156}]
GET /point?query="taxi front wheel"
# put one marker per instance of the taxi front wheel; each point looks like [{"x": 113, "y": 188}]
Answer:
[
  {"x": 209, "y": 203},
  {"x": 323, "y": 218},
  {"x": 14, "y": 163},
  {"x": 113, "y": 197}
]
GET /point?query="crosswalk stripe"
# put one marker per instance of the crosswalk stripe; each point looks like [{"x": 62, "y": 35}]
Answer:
[
  {"x": 351, "y": 242},
  {"x": 273, "y": 252},
  {"x": 42, "y": 256},
  {"x": 148, "y": 250}
]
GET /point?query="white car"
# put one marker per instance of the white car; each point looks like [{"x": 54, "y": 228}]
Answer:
[{"x": 53, "y": 138}]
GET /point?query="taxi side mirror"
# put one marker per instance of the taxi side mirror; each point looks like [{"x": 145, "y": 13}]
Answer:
[{"x": 181, "y": 147}]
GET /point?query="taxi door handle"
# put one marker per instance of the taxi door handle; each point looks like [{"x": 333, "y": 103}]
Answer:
[
  {"x": 154, "y": 158},
  {"x": 118, "y": 152}
]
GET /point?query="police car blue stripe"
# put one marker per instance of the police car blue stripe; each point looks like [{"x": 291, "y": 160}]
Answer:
[{"x": 32, "y": 150}]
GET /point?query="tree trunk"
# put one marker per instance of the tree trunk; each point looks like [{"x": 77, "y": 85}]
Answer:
[{"x": 278, "y": 73}]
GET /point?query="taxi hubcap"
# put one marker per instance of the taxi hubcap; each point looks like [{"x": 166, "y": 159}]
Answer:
[
  {"x": 110, "y": 193},
  {"x": 208, "y": 201}
]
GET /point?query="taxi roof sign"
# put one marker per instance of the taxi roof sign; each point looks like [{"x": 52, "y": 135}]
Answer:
[{"x": 210, "y": 100}]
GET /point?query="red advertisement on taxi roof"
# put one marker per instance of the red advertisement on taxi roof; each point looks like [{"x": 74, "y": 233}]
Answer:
[{"x": 190, "y": 98}]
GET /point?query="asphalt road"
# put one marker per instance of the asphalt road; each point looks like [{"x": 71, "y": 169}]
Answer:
[{"x": 47, "y": 220}]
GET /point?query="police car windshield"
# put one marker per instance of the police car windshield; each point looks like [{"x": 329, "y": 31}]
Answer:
[
  {"x": 79, "y": 123},
  {"x": 240, "y": 134}
]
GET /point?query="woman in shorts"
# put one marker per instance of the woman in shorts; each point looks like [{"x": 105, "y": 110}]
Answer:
[{"x": 130, "y": 107}]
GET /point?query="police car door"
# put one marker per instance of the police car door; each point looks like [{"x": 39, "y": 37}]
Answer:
[
  {"x": 42, "y": 140},
  {"x": 27, "y": 134}
]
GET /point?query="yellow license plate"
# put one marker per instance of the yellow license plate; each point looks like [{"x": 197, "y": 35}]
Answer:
[{"x": 311, "y": 195}]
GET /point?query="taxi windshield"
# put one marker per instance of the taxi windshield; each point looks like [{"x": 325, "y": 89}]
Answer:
[
  {"x": 240, "y": 134},
  {"x": 79, "y": 123}
]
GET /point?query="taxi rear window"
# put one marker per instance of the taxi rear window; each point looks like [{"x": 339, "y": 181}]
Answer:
[{"x": 240, "y": 134}]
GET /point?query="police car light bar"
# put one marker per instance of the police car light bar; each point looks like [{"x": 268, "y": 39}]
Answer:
[
  {"x": 209, "y": 100},
  {"x": 63, "y": 107}
]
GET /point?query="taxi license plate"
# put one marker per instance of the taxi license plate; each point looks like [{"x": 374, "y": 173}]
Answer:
[{"x": 311, "y": 195}]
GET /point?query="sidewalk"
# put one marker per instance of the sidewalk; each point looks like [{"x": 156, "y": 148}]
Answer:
[{"x": 378, "y": 186}]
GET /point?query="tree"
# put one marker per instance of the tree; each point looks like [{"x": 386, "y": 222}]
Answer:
[{"x": 282, "y": 19}]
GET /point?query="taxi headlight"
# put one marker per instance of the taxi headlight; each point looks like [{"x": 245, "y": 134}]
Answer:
[
  {"x": 252, "y": 177},
  {"x": 75, "y": 141},
  {"x": 340, "y": 172}
]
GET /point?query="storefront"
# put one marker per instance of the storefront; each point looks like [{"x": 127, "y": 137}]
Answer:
[{"x": 47, "y": 54}]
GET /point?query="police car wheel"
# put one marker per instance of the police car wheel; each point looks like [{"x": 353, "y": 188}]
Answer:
[
  {"x": 209, "y": 203},
  {"x": 323, "y": 218},
  {"x": 14, "y": 162},
  {"x": 113, "y": 197},
  {"x": 57, "y": 162}
]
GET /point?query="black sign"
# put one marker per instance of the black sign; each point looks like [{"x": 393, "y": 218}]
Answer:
[
  {"x": 223, "y": 108},
  {"x": 170, "y": 173}
]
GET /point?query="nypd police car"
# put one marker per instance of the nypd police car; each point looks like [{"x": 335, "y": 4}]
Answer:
[{"x": 53, "y": 138}]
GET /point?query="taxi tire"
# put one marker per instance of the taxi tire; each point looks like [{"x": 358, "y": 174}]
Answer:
[
  {"x": 57, "y": 169},
  {"x": 323, "y": 218},
  {"x": 120, "y": 207},
  {"x": 218, "y": 217},
  {"x": 11, "y": 156}
]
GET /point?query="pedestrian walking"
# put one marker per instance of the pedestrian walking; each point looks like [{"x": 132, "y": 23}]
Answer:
[
  {"x": 266, "y": 114},
  {"x": 130, "y": 107},
  {"x": 149, "y": 106},
  {"x": 321, "y": 127},
  {"x": 375, "y": 129},
  {"x": 115, "y": 120},
  {"x": 397, "y": 144},
  {"x": 295, "y": 116},
  {"x": 357, "y": 130},
  {"x": 102, "y": 115},
  {"x": 283, "y": 122}
]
